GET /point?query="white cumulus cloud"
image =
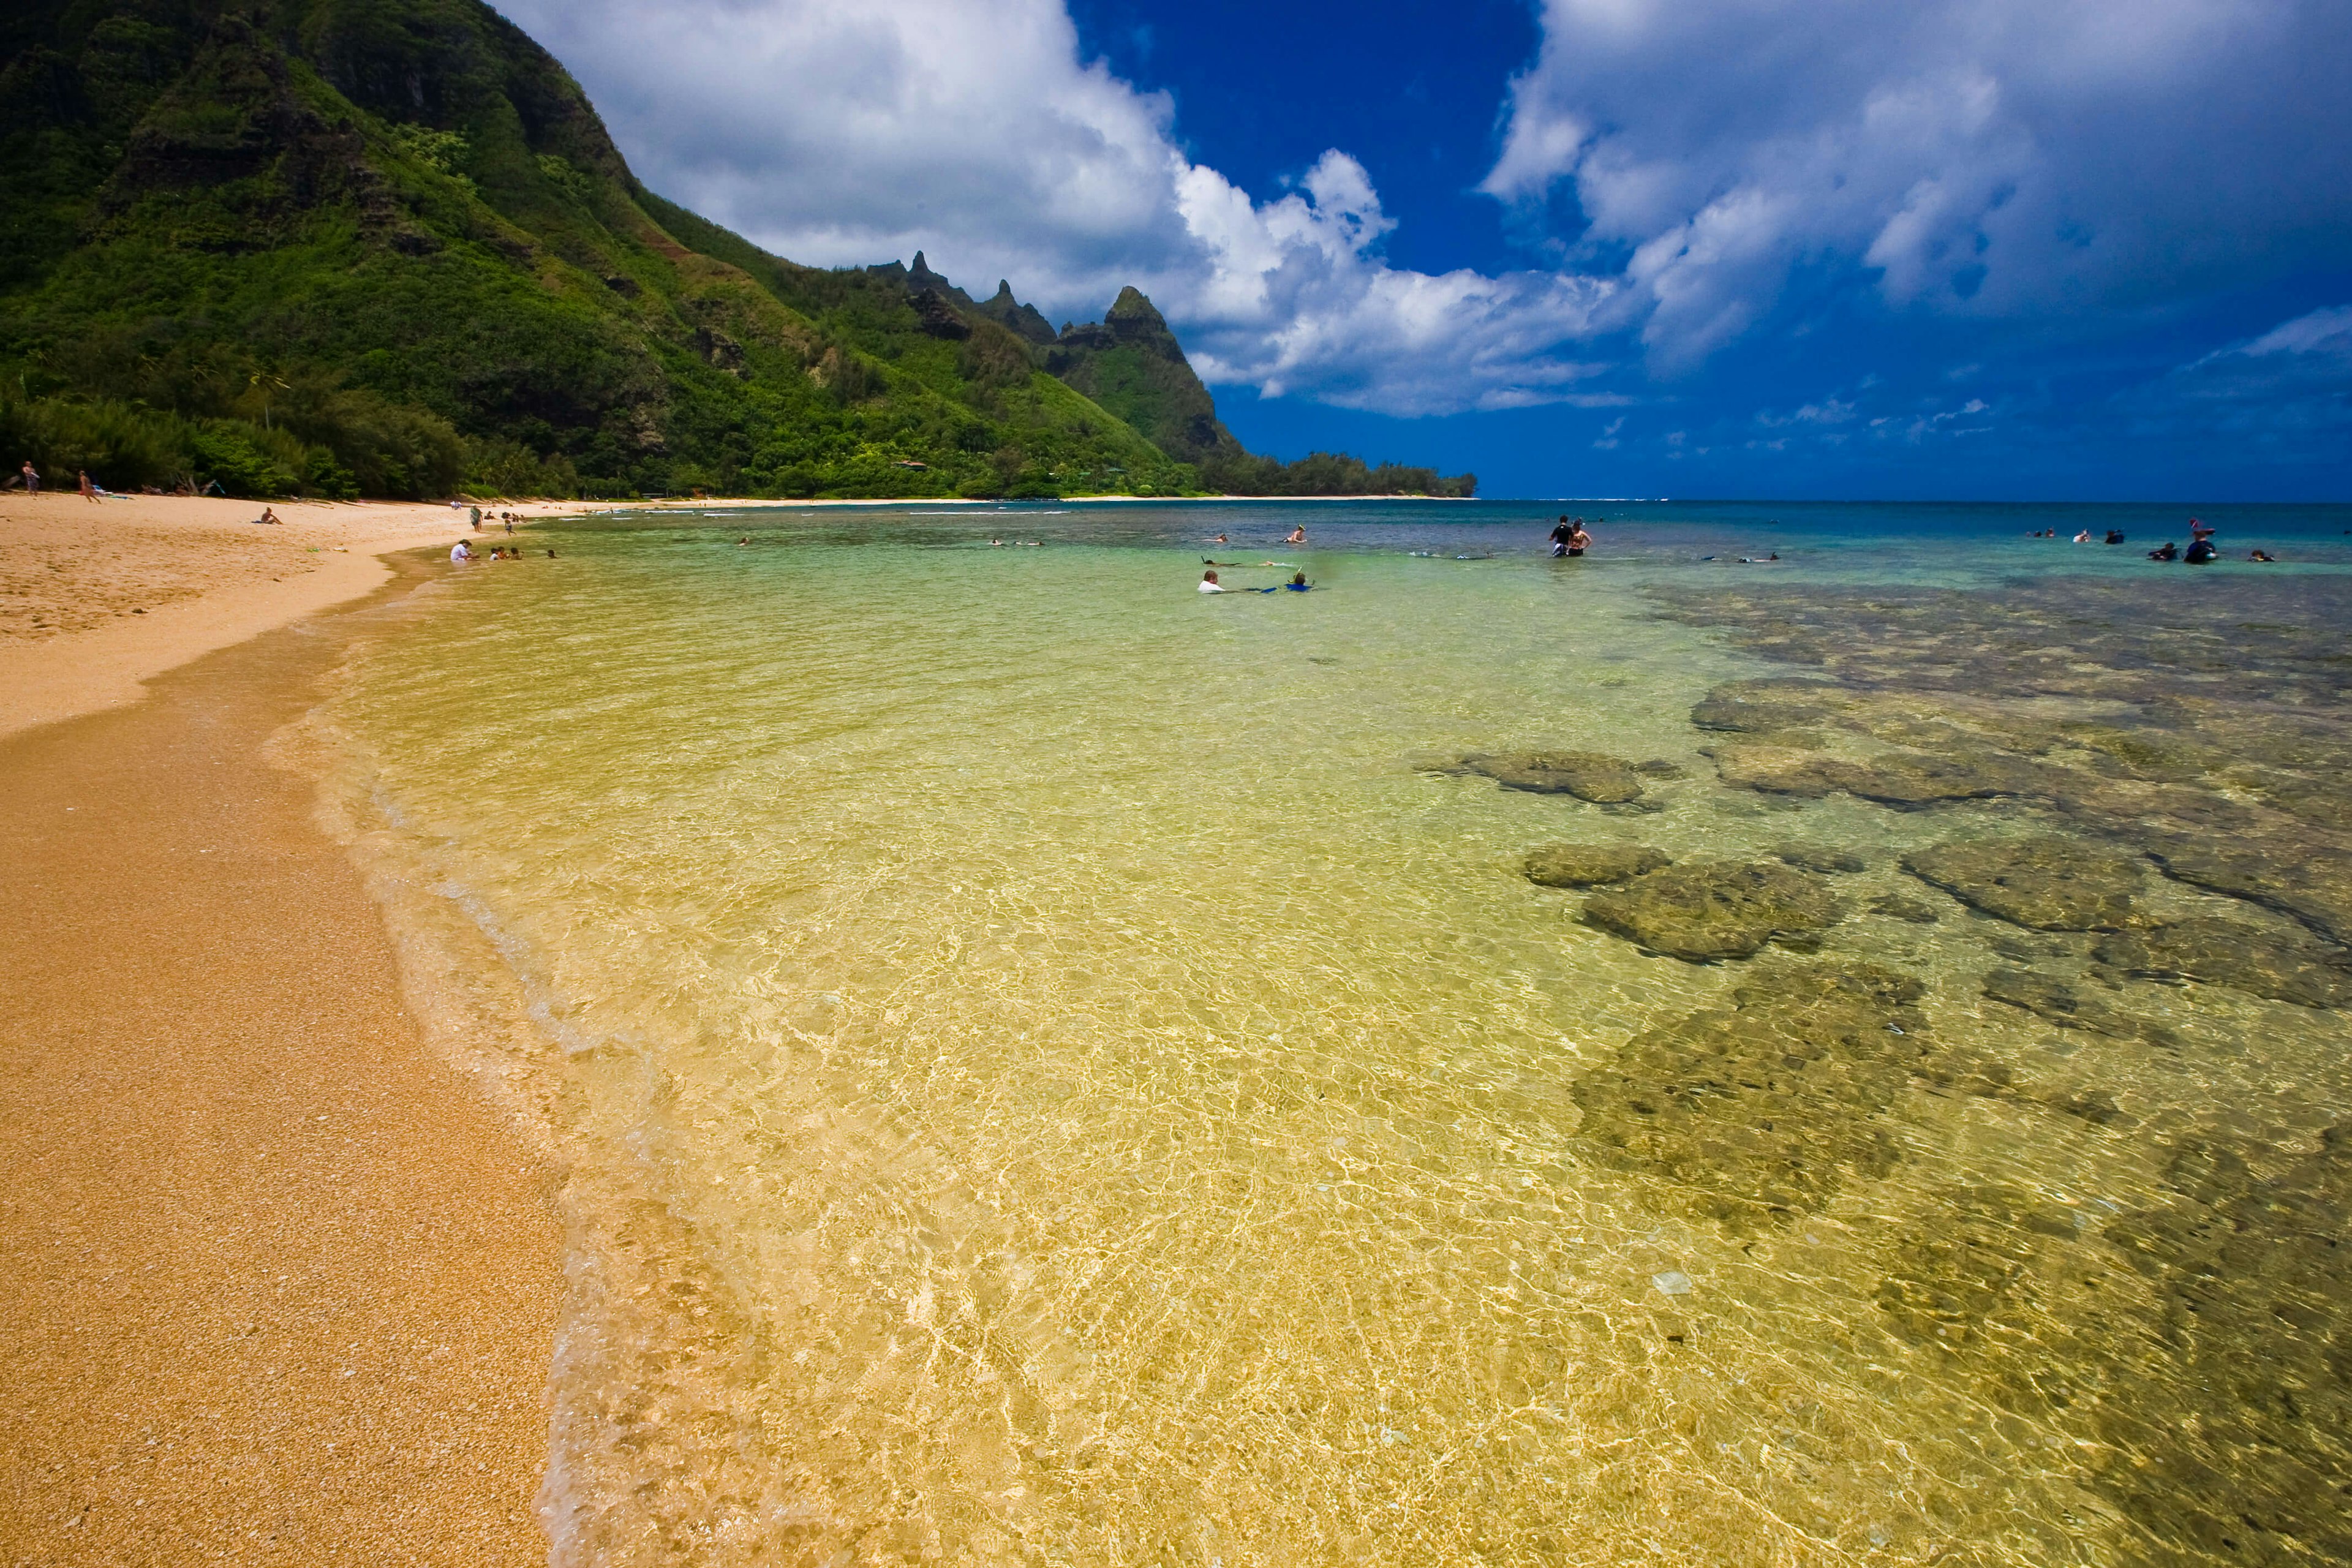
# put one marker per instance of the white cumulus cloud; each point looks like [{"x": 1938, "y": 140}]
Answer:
[
  {"x": 842, "y": 132},
  {"x": 2075, "y": 164},
  {"x": 1983, "y": 157}
]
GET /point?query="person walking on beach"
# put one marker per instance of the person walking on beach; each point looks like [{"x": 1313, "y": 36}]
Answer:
[
  {"x": 89, "y": 491},
  {"x": 32, "y": 478}
]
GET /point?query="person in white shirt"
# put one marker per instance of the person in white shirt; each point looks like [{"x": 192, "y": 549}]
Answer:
[
  {"x": 1209, "y": 583},
  {"x": 458, "y": 552}
]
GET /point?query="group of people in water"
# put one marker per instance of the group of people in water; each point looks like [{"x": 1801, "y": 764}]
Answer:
[
  {"x": 2201, "y": 549},
  {"x": 1569, "y": 538},
  {"x": 462, "y": 552}
]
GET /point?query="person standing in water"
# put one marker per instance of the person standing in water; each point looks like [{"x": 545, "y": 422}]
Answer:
[
  {"x": 1209, "y": 583},
  {"x": 1558, "y": 536},
  {"x": 1296, "y": 535},
  {"x": 1578, "y": 542}
]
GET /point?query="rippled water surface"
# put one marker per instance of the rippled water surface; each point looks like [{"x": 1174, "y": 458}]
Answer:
[{"x": 1061, "y": 1068}]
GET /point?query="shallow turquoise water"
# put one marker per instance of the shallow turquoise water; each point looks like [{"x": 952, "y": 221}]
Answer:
[{"x": 1056, "y": 1068}]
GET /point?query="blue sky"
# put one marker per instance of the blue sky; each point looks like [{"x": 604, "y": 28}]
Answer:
[{"x": 1996, "y": 249}]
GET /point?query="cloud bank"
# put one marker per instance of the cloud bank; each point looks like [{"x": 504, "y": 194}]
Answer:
[
  {"x": 1674, "y": 165},
  {"x": 840, "y": 132}
]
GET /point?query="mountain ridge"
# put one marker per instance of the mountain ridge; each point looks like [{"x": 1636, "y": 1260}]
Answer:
[{"x": 387, "y": 247}]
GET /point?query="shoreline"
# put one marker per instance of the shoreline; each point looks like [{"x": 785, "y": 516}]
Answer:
[
  {"x": 97, "y": 601},
  {"x": 285, "y": 1280}
]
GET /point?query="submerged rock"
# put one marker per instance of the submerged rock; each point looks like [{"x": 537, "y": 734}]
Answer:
[
  {"x": 1591, "y": 865},
  {"x": 2073, "y": 1007},
  {"x": 1894, "y": 906},
  {"x": 1823, "y": 858},
  {"x": 1907, "y": 781},
  {"x": 2227, "y": 1413},
  {"x": 1762, "y": 707},
  {"x": 2283, "y": 966},
  {"x": 2309, "y": 882},
  {"x": 1661, "y": 768},
  {"x": 1958, "y": 1267},
  {"x": 2043, "y": 883},
  {"x": 1713, "y": 910},
  {"x": 1764, "y": 1108},
  {"x": 1587, "y": 775}
]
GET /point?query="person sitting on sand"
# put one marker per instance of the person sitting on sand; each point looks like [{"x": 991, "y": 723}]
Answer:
[
  {"x": 2171, "y": 551},
  {"x": 1296, "y": 535},
  {"x": 1209, "y": 583},
  {"x": 2261, "y": 555},
  {"x": 269, "y": 518}
]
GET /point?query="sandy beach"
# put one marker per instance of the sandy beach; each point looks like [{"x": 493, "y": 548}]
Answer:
[
  {"x": 280, "y": 1283},
  {"x": 96, "y": 598}
]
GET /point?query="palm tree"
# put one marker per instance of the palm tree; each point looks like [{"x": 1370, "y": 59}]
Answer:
[{"x": 262, "y": 381}]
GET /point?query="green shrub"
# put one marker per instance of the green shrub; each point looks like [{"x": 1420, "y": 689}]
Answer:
[{"x": 227, "y": 456}]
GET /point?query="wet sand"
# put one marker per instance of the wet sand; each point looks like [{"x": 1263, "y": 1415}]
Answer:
[{"x": 280, "y": 1285}]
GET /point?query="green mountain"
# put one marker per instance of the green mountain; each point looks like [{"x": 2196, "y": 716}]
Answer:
[{"x": 386, "y": 247}]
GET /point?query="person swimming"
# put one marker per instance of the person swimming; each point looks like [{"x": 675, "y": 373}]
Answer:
[
  {"x": 2115, "y": 536},
  {"x": 1296, "y": 535},
  {"x": 2261, "y": 555},
  {"x": 1298, "y": 583},
  {"x": 1209, "y": 583},
  {"x": 2171, "y": 551}
]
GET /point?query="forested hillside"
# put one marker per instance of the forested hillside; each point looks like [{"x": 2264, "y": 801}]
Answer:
[{"x": 386, "y": 247}]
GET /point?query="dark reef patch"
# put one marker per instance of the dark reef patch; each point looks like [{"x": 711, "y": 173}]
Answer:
[
  {"x": 1587, "y": 775},
  {"x": 1703, "y": 911},
  {"x": 2309, "y": 880},
  {"x": 1591, "y": 865},
  {"x": 2283, "y": 966},
  {"x": 1826, "y": 858},
  {"x": 2228, "y": 1415},
  {"x": 2074, "y": 1006},
  {"x": 2043, "y": 883},
  {"x": 1766, "y": 1107}
]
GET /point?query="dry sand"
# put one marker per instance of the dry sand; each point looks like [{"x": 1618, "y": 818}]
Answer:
[
  {"x": 96, "y": 598},
  {"x": 277, "y": 1284}
]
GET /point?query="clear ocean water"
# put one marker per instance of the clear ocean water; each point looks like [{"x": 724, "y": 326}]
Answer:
[{"x": 1059, "y": 1067}]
